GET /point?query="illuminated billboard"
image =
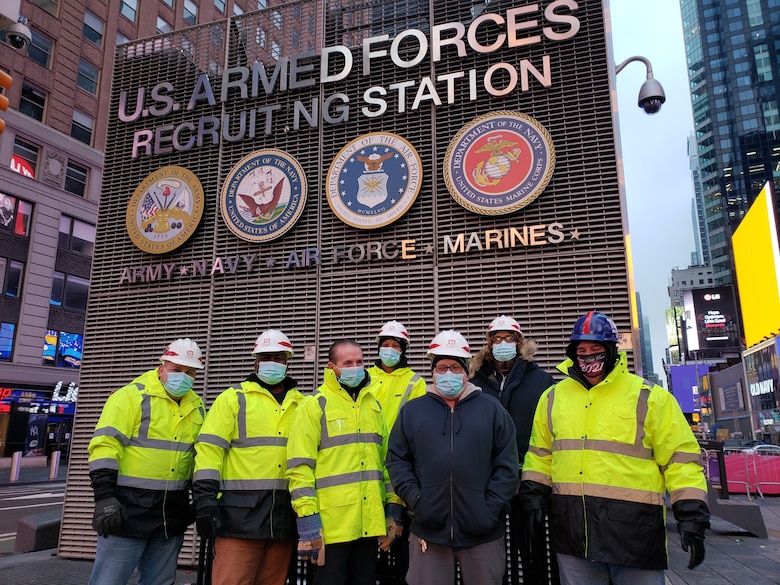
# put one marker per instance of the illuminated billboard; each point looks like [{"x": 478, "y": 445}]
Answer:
[
  {"x": 711, "y": 325},
  {"x": 757, "y": 260}
]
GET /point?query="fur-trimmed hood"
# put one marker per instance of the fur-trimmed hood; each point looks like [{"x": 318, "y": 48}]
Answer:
[{"x": 526, "y": 351}]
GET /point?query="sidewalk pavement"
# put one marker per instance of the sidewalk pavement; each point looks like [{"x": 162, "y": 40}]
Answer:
[
  {"x": 32, "y": 475},
  {"x": 734, "y": 557}
]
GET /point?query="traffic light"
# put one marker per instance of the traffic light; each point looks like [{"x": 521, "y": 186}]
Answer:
[{"x": 5, "y": 84}]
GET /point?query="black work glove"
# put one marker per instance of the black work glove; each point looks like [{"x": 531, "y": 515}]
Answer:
[
  {"x": 693, "y": 542},
  {"x": 534, "y": 524},
  {"x": 207, "y": 518},
  {"x": 108, "y": 516}
]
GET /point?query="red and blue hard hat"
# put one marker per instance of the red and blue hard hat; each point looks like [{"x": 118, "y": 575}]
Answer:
[{"x": 594, "y": 326}]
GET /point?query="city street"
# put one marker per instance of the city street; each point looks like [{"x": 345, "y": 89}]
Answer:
[{"x": 18, "y": 501}]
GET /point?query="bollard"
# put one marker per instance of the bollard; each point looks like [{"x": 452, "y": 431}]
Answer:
[
  {"x": 16, "y": 466},
  {"x": 54, "y": 465}
]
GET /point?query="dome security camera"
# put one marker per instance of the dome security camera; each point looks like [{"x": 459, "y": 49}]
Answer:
[
  {"x": 651, "y": 96},
  {"x": 18, "y": 35}
]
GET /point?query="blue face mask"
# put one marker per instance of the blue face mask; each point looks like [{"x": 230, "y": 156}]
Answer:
[
  {"x": 178, "y": 383},
  {"x": 448, "y": 384},
  {"x": 505, "y": 351},
  {"x": 271, "y": 372},
  {"x": 351, "y": 377},
  {"x": 389, "y": 356}
]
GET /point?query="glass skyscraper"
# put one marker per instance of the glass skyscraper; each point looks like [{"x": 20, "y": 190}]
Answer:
[{"x": 732, "y": 52}]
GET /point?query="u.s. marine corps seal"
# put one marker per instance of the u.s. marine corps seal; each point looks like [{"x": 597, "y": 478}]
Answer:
[
  {"x": 263, "y": 195},
  {"x": 165, "y": 210},
  {"x": 499, "y": 163},
  {"x": 374, "y": 180}
]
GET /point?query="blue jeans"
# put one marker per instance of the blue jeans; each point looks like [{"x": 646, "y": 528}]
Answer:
[
  {"x": 118, "y": 556},
  {"x": 579, "y": 571}
]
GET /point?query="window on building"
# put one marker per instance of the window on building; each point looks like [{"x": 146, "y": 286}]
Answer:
[
  {"x": 40, "y": 48},
  {"x": 220, "y": 5},
  {"x": 237, "y": 10},
  {"x": 121, "y": 39},
  {"x": 33, "y": 102},
  {"x": 81, "y": 127},
  {"x": 62, "y": 349},
  {"x": 276, "y": 50},
  {"x": 93, "y": 28},
  {"x": 190, "y": 12},
  {"x": 262, "y": 4},
  {"x": 87, "y": 77},
  {"x": 28, "y": 153},
  {"x": 771, "y": 116},
  {"x": 277, "y": 19},
  {"x": 128, "y": 8},
  {"x": 76, "y": 179},
  {"x": 6, "y": 340},
  {"x": 50, "y": 6},
  {"x": 15, "y": 215},
  {"x": 76, "y": 235},
  {"x": 168, "y": 3},
  {"x": 11, "y": 272},
  {"x": 163, "y": 26},
  {"x": 763, "y": 63}
]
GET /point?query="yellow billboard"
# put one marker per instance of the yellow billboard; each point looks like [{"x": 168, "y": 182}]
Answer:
[{"x": 757, "y": 260}]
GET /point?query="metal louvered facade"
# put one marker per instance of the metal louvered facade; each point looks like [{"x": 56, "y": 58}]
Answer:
[{"x": 546, "y": 287}]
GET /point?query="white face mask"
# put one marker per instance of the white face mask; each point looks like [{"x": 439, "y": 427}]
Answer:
[
  {"x": 389, "y": 356},
  {"x": 450, "y": 384},
  {"x": 178, "y": 383},
  {"x": 504, "y": 351},
  {"x": 271, "y": 372}
]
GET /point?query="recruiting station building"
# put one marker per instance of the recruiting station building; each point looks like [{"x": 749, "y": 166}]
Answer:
[{"x": 323, "y": 167}]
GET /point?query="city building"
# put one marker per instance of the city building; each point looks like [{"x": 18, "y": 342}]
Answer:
[
  {"x": 51, "y": 168},
  {"x": 687, "y": 278},
  {"x": 323, "y": 167},
  {"x": 701, "y": 256},
  {"x": 732, "y": 52},
  {"x": 645, "y": 340}
]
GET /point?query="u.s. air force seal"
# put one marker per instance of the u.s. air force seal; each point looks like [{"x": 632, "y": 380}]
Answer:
[
  {"x": 374, "y": 180},
  {"x": 499, "y": 163},
  {"x": 164, "y": 210},
  {"x": 263, "y": 195}
]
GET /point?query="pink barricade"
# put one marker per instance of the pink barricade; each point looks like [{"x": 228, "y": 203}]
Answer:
[{"x": 753, "y": 471}]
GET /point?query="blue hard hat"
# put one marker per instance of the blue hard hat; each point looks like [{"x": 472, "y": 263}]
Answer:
[{"x": 594, "y": 326}]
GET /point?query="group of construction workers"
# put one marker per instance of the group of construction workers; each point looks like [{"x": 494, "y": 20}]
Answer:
[{"x": 376, "y": 459}]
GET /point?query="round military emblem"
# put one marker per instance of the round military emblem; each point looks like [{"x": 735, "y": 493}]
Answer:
[
  {"x": 264, "y": 195},
  {"x": 499, "y": 163},
  {"x": 374, "y": 180},
  {"x": 165, "y": 210}
]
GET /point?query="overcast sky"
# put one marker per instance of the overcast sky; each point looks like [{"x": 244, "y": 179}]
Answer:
[{"x": 658, "y": 179}]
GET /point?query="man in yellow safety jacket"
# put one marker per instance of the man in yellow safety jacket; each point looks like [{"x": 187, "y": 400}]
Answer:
[
  {"x": 397, "y": 382},
  {"x": 397, "y": 385},
  {"x": 140, "y": 466},
  {"x": 605, "y": 447},
  {"x": 241, "y": 495},
  {"x": 338, "y": 480}
]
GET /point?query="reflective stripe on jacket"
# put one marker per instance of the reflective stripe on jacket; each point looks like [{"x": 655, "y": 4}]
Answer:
[
  {"x": 335, "y": 464},
  {"x": 394, "y": 389},
  {"x": 149, "y": 439},
  {"x": 243, "y": 445},
  {"x": 609, "y": 454}
]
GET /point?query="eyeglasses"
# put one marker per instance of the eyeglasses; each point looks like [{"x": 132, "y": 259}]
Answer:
[
  {"x": 498, "y": 338},
  {"x": 455, "y": 369}
]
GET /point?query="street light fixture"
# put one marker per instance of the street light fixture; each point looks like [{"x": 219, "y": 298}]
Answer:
[{"x": 651, "y": 94}]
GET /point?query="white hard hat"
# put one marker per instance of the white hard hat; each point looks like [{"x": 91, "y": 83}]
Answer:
[
  {"x": 449, "y": 343},
  {"x": 272, "y": 341},
  {"x": 394, "y": 329},
  {"x": 184, "y": 352},
  {"x": 503, "y": 323}
]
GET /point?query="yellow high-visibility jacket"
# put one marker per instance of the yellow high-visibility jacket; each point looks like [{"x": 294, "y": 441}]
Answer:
[
  {"x": 608, "y": 455},
  {"x": 395, "y": 389},
  {"x": 243, "y": 446},
  {"x": 148, "y": 439},
  {"x": 336, "y": 462}
]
